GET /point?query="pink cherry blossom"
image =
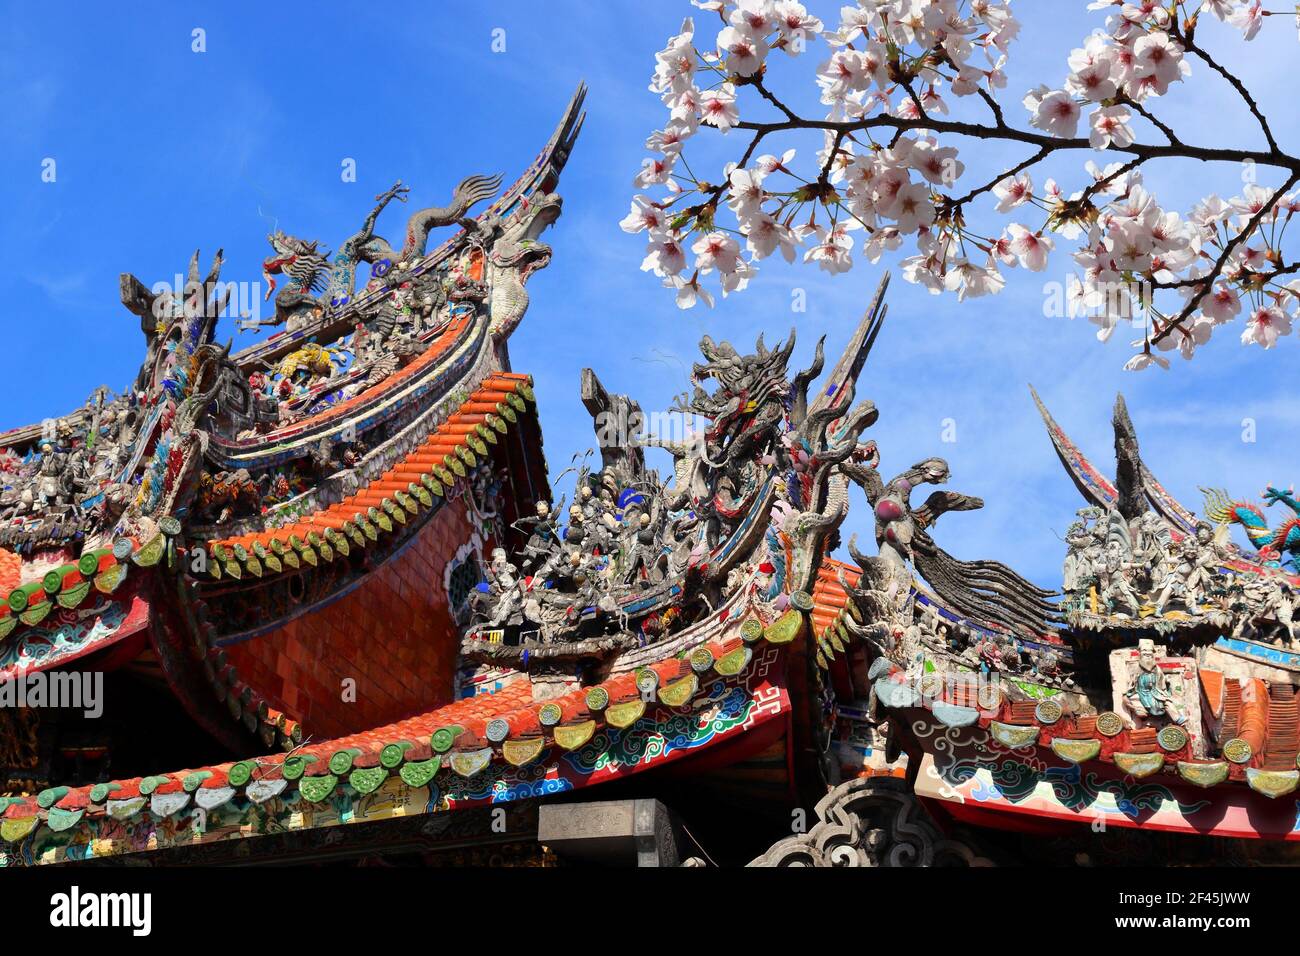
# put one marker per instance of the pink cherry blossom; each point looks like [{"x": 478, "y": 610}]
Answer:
[
  {"x": 655, "y": 171},
  {"x": 844, "y": 72},
  {"x": 1056, "y": 113},
  {"x": 1031, "y": 249},
  {"x": 937, "y": 164},
  {"x": 665, "y": 256},
  {"x": 1248, "y": 19},
  {"x": 796, "y": 23},
  {"x": 972, "y": 281},
  {"x": 744, "y": 52},
  {"x": 645, "y": 214},
  {"x": 1110, "y": 126},
  {"x": 1013, "y": 191},
  {"x": 1157, "y": 62},
  {"x": 765, "y": 235},
  {"x": 1143, "y": 360},
  {"x": 1265, "y": 326},
  {"x": 831, "y": 250},
  {"x": 747, "y": 193},
  {"x": 675, "y": 63},
  {"x": 1221, "y": 305},
  {"x": 1091, "y": 72},
  {"x": 757, "y": 18},
  {"x": 718, "y": 108},
  {"x": 717, "y": 250},
  {"x": 769, "y": 164},
  {"x": 670, "y": 139},
  {"x": 912, "y": 208},
  {"x": 689, "y": 292}
]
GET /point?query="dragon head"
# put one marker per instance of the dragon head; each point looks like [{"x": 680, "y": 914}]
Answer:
[
  {"x": 302, "y": 260},
  {"x": 932, "y": 471}
]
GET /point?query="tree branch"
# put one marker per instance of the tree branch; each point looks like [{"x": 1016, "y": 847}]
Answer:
[
  {"x": 1236, "y": 85},
  {"x": 1273, "y": 157},
  {"x": 1216, "y": 270}
]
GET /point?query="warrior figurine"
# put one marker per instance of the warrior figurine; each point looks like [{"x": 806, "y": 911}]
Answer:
[
  {"x": 1190, "y": 571},
  {"x": 1114, "y": 584}
]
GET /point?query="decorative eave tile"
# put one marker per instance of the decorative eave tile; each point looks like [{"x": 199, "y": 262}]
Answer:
[
  {"x": 59, "y": 819},
  {"x": 13, "y": 829},
  {"x": 1076, "y": 751},
  {"x": 125, "y": 809},
  {"x": 468, "y": 764},
  {"x": 260, "y": 791},
  {"x": 1014, "y": 735},
  {"x": 625, "y": 714},
  {"x": 209, "y": 798},
  {"x": 523, "y": 750},
  {"x": 1203, "y": 774},
  {"x": 163, "y": 805},
  {"x": 1272, "y": 783},
  {"x": 573, "y": 736},
  {"x": 418, "y": 773},
  {"x": 1140, "y": 765}
]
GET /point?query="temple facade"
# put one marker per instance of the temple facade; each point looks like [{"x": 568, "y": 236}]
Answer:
[{"x": 340, "y": 615}]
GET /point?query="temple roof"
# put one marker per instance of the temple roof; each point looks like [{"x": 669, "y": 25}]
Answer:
[
  {"x": 424, "y": 467},
  {"x": 503, "y": 728}
]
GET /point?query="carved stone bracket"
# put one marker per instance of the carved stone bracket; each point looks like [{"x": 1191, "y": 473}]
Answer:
[{"x": 872, "y": 821}]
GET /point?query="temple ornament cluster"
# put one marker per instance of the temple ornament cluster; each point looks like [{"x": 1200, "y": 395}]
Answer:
[{"x": 331, "y": 571}]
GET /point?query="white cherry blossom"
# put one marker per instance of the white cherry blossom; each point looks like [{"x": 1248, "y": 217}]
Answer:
[
  {"x": 1265, "y": 326},
  {"x": 645, "y": 214},
  {"x": 744, "y": 52},
  {"x": 1056, "y": 112},
  {"x": 717, "y": 250},
  {"x": 1013, "y": 191},
  {"x": 1110, "y": 125},
  {"x": 718, "y": 108},
  {"x": 1030, "y": 248}
]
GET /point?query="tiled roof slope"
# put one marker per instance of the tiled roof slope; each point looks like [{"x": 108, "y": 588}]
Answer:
[{"x": 428, "y": 470}]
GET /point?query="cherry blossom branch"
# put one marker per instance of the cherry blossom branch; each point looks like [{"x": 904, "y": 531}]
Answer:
[
  {"x": 1177, "y": 150},
  {"x": 1033, "y": 160},
  {"x": 889, "y": 68},
  {"x": 1154, "y": 121},
  {"x": 1233, "y": 81},
  {"x": 1207, "y": 281}
]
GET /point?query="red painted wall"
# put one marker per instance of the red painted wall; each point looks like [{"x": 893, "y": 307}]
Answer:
[{"x": 393, "y": 634}]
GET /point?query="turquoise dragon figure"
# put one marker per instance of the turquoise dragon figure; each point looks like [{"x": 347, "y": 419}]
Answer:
[{"x": 1279, "y": 546}]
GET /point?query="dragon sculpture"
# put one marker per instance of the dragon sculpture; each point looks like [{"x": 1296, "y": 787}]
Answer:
[
  {"x": 1272, "y": 543},
  {"x": 314, "y": 282},
  {"x": 514, "y": 253},
  {"x": 307, "y": 269},
  {"x": 756, "y": 496}
]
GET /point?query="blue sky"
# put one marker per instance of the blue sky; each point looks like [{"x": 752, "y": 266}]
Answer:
[{"x": 161, "y": 150}]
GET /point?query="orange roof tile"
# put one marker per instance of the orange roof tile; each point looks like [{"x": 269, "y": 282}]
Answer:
[{"x": 442, "y": 443}]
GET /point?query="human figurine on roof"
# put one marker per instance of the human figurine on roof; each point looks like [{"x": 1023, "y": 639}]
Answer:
[
  {"x": 505, "y": 600},
  {"x": 1149, "y": 695},
  {"x": 1078, "y": 537},
  {"x": 1116, "y": 592},
  {"x": 1272, "y": 601},
  {"x": 1189, "y": 576},
  {"x": 990, "y": 654},
  {"x": 53, "y": 478},
  {"x": 545, "y": 537}
]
